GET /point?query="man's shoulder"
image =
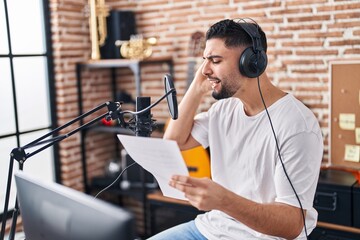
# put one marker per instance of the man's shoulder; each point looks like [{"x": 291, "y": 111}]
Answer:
[{"x": 296, "y": 117}]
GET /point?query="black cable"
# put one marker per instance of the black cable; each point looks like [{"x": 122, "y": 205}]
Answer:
[
  {"x": 117, "y": 178},
  {"x": 273, "y": 131},
  {"x": 282, "y": 163}
]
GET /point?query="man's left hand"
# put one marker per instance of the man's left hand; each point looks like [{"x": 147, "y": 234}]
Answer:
[{"x": 202, "y": 193}]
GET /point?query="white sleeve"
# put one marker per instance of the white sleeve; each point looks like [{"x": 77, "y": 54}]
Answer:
[
  {"x": 302, "y": 156},
  {"x": 200, "y": 130}
]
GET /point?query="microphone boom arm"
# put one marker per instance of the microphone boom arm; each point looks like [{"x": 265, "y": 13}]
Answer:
[{"x": 19, "y": 154}]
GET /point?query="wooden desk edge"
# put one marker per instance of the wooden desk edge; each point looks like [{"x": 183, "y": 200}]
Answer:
[
  {"x": 338, "y": 227},
  {"x": 157, "y": 196}
]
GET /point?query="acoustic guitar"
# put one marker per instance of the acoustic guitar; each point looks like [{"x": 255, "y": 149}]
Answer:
[{"x": 197, "y": 159}]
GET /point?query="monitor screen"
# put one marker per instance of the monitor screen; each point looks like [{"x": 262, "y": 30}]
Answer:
[{"x": 53, "y": 211}]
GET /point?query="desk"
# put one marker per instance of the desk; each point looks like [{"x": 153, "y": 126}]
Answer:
[
  {"x": 156, "y": 200},
  {"x": 181, "y": 209}
]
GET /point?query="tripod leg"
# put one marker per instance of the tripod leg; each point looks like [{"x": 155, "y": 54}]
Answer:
[
  {"x": 7, "y": 196},
  {"x": 14, "y": 220}
]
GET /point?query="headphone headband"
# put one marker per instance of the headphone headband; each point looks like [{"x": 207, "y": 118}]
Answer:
[{"x": 253, "y": 60}]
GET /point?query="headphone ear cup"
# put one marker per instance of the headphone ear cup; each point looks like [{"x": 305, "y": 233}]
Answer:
[{"x": 249, "y": 64}]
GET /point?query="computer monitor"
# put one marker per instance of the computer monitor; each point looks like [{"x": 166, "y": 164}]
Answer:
[{"x": 53, "y": 211}]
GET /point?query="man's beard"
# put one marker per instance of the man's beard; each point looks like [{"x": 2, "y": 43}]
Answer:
[{"x": 225, "y": 92}]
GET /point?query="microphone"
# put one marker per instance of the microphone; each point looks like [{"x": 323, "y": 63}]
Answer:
[
  {"x": 171, "y": 98},
  {"x": 142, "y": 123}
]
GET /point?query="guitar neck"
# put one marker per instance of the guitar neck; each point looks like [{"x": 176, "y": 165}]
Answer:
[
  {"x": 190, "y": 72},
  {"x": 196, "y": 47}
]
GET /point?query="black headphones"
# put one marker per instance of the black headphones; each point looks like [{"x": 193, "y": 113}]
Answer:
[{"x": 253, "y": 60}]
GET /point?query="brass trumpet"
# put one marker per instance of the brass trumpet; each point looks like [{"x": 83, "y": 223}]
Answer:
[
  {"x": 98, "y": 29},
  {"x": 137, "y": 47}
]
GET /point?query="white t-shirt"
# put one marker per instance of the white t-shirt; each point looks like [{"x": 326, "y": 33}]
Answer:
[{"x": 244, "y": 159}]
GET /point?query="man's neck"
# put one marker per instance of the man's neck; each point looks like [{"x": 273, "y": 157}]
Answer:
[{"x": 252, "y": 100}]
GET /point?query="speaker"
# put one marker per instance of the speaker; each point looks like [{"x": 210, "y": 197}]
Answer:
[
  {"x": 120, "y": 26},
  {"x": 132, "y": 177},
  {"x": 253, "y": 60},
  {"x": 356, "y": 203},
  {"x": 333, "y": 197}
]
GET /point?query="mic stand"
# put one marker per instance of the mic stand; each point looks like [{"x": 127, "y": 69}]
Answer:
[
  {"x": 19, "y": 154},
  {"x": 143, "y": 128}
]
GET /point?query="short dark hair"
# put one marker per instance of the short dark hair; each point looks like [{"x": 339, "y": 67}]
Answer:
[{"x": 234, "y": 34}]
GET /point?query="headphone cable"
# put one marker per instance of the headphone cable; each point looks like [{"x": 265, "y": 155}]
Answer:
[
  {"x": 117, "y": 178},
  {"x": 279, "y": 154}
]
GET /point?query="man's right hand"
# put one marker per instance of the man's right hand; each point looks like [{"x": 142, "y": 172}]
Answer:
[{"x": 200, "y": 82}]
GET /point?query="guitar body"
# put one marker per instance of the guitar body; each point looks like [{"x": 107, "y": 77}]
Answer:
[{"x": 197, "y": 159}]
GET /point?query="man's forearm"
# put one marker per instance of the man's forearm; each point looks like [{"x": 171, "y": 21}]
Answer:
[
  {"x": 276, "y": 219},
  {"x": 180, "y": 129}
]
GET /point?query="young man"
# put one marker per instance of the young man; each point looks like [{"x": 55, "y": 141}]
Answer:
[{"x": 253, "y": 193}]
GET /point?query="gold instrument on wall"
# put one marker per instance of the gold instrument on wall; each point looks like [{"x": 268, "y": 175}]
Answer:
[
  {"x": 98, "y": 29},
  {"x": 137, "y": 47}
]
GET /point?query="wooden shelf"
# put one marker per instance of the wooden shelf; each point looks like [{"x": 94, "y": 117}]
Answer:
[{"x": 133, "y": 64}]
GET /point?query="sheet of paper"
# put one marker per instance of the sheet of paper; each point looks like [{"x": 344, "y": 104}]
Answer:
[
  {"x": 352, "y": 153},
  {"x": 161, "y": 157},
  {"x": 347, "y": 121},
  {"x": 357, "y": 135}
]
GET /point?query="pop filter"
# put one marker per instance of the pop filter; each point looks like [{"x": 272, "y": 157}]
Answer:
[{"x": 171, "y": 98}]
